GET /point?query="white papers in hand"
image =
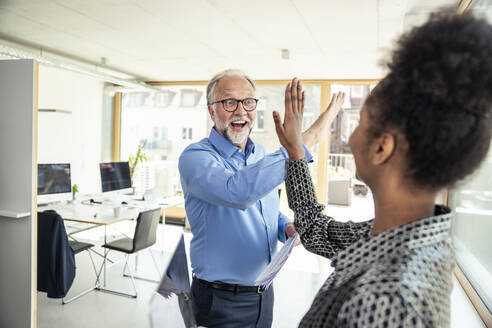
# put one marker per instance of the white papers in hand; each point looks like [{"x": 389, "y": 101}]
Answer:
[{"x": 266, "y": 277}]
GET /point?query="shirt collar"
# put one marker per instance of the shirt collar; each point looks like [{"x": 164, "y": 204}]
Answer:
[
  {"x": 225, "y": 147},
  {"x": 250, "y": 147}
]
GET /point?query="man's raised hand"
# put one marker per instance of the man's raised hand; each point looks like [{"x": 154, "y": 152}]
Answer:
[{"x": 320, "y": 129}]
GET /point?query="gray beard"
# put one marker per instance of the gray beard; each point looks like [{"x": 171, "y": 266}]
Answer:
[{"x": 228, "y": 137}]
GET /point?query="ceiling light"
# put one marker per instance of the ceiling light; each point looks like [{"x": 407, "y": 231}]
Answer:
[{"x": 97, "y": 72}]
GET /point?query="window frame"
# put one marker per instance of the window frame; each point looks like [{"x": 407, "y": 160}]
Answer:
[{"x": 470, "y": 292}]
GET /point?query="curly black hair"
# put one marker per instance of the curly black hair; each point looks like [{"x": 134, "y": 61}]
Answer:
[{"x": 438, "y": 94}]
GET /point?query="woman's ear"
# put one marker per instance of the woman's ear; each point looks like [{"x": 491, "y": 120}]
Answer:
[{"x": 382, "y": 148}]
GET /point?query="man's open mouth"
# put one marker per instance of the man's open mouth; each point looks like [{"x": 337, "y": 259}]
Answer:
[{"x": 238, "y": 124}]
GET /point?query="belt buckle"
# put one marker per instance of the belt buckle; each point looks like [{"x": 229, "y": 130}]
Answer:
[{"x": 260, "y": 289}]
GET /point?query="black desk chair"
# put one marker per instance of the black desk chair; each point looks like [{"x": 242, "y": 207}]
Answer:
[
  {"x": 144, "y": 237},
  {"x": 56, "y": 257},
  {"x": 78, "y": 247}
]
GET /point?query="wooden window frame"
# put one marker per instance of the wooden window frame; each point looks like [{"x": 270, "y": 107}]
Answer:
[{"x": 470, "y": 292}]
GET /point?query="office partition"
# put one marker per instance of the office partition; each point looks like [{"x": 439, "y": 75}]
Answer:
[{"x": 18, "y": 106}]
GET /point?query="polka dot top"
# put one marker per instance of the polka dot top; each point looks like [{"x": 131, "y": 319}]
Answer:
[{"x": 398, "y": 278}]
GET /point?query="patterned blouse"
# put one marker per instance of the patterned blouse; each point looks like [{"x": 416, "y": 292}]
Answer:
[{"x": 398, "y": 278}]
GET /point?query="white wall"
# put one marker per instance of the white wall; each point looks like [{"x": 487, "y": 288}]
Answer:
[
  {"x": 17, "y": 143},
  {"x": 71, "y": 138}
]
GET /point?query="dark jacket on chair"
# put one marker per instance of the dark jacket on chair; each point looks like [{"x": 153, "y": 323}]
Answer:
[{"x": 56, "y": 260}]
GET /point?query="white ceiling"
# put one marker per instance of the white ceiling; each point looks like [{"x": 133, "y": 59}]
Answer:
[{"x": 164, "y": 40}]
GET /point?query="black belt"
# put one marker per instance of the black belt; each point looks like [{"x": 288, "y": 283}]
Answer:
[{"x": 230, "y": 287}]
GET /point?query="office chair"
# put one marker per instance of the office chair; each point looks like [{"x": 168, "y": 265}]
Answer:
[
  {"x": 78, "y": 247},
  {"x": 56, "y": 257},
  {"x": 145, "y": 236}
]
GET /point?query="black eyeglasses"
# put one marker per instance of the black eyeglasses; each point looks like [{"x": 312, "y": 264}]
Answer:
[{"x": 230, "y": 104}]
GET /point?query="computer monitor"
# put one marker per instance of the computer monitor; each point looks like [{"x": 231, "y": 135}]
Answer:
[
  {"x": 54, "y": 183},
  {"x": 115, "y": 177}
]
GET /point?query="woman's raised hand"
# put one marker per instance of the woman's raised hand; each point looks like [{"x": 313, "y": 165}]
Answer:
[{"x": 289, "y": 132}]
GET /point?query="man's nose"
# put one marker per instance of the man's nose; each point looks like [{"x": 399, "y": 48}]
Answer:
[{"x": 240, "y": 109}]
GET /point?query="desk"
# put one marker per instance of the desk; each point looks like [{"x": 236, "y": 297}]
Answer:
[{"x": 97, "y": 215}]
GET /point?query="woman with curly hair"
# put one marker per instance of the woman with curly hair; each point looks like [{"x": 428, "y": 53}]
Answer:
[{"x": 425, "y": 126}]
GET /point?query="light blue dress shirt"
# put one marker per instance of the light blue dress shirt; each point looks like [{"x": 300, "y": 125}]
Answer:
[{"x": 232, "y": 204}]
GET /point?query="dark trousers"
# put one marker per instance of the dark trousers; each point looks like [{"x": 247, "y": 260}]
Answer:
[{"x": 220, "y": 308}]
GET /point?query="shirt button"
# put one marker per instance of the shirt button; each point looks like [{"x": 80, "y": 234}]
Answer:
[
  {"x": 271, "y": 249},
  {"x": 268, "y": 226}
]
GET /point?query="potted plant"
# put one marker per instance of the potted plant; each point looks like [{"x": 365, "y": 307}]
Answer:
[
  {"x": 139, "y": 157},
  {"x": 75, "y": 190}
]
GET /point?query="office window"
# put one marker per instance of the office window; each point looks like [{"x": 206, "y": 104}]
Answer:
[
  {"x": 164, "y": 98},
  {"x": 260, "y": 120},
  {"x": 272, "y": 98},
  {"x": 348, "y": 118},
  {"x": 135, "y": 99},
  {"x": 190, "y": 97},
  {"x": 187, "y": 133},
  {"x": 358, "y": 91},
  {"x": 471, "y": 202},
  {"x": 168, "y": 126},
  {"x": 166, "y": 145},
  {"x": 260, "y": 115},
  {"x": 164, "y": 133},
  {"x": 341, "y": 164}
]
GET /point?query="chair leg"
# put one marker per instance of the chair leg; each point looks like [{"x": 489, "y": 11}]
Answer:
[
  {"x": 101, "y": 268},
  {"x": 117, "y": 292},
  {"x": 155, "y": 265},
  {"x": 94, "y": 267},
  {"x": 131, "y": 276},
  {"x": 78, "y": 295},
  {"x": 87, "y": 290},
  {"x": 146, "y": 279},
  {"x": 124, "y": 268}
]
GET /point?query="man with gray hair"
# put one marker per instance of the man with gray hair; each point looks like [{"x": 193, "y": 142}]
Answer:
[{"x": 230, "y": 187}]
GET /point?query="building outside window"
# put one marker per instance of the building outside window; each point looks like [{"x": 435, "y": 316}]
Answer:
[
  {"x": 272, "y": 98},
  {"x": 187, "y": 133},
  {"x": 260, "y": 115},
  {"x": 135, "y": 99},
  {"x": 340, "y": 159},
  {"x": 159, "y": 119},
  {"x": 190, "y": 97},
  {"x": 164, "y": 98}
]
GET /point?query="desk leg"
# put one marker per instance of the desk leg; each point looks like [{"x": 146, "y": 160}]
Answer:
[{"x": 105, "y": 254}]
